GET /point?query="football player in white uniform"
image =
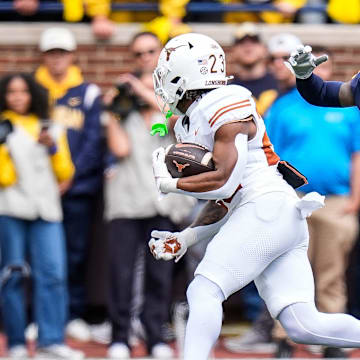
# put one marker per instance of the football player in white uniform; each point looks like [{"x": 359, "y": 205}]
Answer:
[{"x": 257, "y": 222}]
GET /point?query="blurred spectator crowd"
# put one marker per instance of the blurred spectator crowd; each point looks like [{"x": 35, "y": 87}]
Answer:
[
  {"x": 168, "y": 18},
  {"x": 75, "y": 175}
]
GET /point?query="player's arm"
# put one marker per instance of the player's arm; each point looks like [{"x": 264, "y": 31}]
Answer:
[
  {"x": 318, "y": 92},
  {"x": 117, "y": 139},
  {"x": 229, "y": 156},
  {"x": 166, "y": 245},
  {"x": 312, "y": 88},
  {"x": 225, "y": 156}
]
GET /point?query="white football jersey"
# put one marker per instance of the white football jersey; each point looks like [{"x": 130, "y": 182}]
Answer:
[{"x": 234, "y": 103}]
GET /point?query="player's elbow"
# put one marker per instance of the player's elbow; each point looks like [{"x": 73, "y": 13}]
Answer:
[
  {"x": 220, "y": 178},
  {"x": 225, "y": 189}
]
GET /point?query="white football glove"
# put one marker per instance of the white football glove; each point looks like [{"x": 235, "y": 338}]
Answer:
[
  {"x": 166, "y": 245},
  {"x": 302, "y": 62},
  {"x": 164, "y": 182}
]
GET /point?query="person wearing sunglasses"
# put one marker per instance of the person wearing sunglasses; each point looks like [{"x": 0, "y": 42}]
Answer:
[
  {"x": 145, "y": 48},
  {"x": 279, "y": 48}
]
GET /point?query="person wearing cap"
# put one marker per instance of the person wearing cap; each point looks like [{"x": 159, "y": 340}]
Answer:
[
  {"x": 324, "y": 145},
  {"x": 279, "y": 48},
  {"x": 249, "y": 55},
  {"x": 77, "y": 107}
]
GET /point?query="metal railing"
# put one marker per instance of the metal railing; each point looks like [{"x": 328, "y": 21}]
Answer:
[{"x": 208, "y": 7}]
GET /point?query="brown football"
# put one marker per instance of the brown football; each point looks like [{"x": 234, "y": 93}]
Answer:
[{"x": 187, "y": 159}]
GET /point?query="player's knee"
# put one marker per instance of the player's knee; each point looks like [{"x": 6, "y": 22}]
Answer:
[
  {"x": 203, "y": 291},
  {"x": 298, "y": 334},
  {"x": 304, "y": 323},
  {"x": 194, "y": 292},
  {"x": 297, "y": 331}
]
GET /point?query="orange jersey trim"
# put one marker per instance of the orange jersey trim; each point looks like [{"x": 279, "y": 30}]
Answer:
[
  {"x": 271, "y": 157},
  {"x": 227, "y": 110},
  {"x": 224, "y": 107}
]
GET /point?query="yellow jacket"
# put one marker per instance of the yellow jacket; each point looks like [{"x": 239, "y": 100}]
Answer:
[
  {"x": 160, "y": 23},
  {"x": 270, "y": 17},
  {"x": 347, "y": 12},
  {"x": 74, "y": 10},
  {"x": 61, "y": 161}
]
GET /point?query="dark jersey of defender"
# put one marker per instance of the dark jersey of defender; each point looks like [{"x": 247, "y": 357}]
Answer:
[
  {"x": 264, "y": 90},
  {"x": 355, "y": 88}
]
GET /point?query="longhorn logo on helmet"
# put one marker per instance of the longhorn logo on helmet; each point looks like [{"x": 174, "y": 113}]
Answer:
[{"x": 169, "y": 51}]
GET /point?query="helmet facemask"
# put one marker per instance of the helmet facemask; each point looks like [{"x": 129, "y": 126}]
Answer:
[
  {"x": 168, "y": 91},
  {"x": 187, "y": 63}
]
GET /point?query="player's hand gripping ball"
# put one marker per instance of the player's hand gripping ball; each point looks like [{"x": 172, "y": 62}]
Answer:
[
  {"x": 165, "y": 245},
  {"x": 187, "y": 159}
]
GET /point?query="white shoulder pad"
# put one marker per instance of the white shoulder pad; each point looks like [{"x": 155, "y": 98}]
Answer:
[{"x": 227, "y": 104}]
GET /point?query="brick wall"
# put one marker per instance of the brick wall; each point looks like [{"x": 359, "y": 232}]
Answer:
[
  {"x": 101, "y": 63},
  {"x": 346, "y": 61}
]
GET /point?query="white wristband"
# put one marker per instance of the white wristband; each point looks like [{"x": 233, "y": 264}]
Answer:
[
  {"x": 169, "y": 185},
  {"x": 189, "y": 235}
]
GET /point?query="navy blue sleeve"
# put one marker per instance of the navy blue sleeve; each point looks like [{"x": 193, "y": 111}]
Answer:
[
  {"x": 89, "y": 158},
  {"x": 355, "y": 88},
  {"x": 318, "y": 92}
]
